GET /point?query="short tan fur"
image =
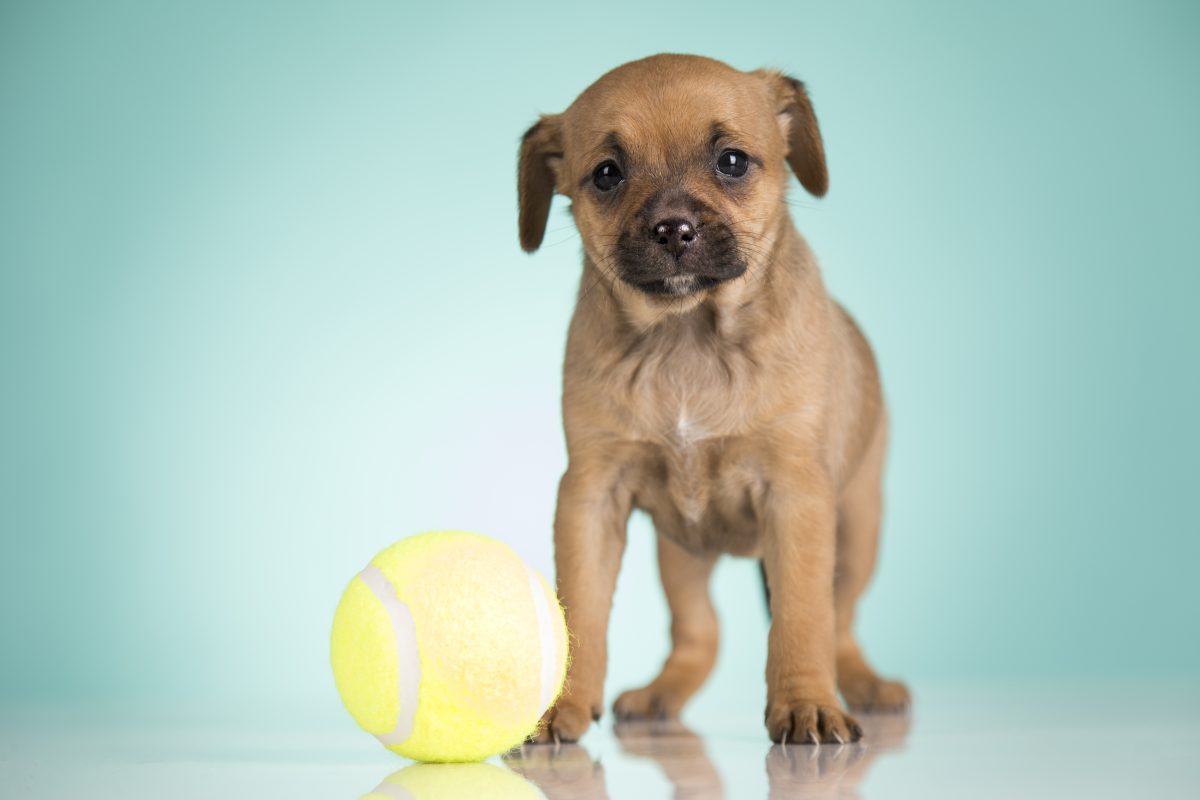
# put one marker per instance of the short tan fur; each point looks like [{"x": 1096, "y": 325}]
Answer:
[{"x": 711, "y": 381}]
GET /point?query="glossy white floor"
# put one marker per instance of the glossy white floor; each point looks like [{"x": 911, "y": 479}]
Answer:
[{"x": 1130, "y": 740}]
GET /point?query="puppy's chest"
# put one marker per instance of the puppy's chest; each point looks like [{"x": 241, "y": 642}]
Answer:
[
  {"x": 683, "y": 394},
  {"x": 690, "y": 409},
  {"x": 700, "y": 491},
  {"x": 681, "y": 400}
]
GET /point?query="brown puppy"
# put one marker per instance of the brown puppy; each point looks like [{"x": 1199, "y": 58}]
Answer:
[{"x": 712, "y": 382}]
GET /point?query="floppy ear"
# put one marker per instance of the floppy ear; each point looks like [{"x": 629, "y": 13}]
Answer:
[
  {"x": 541, "y": 151},
  {"x": 806, "y": 153}
]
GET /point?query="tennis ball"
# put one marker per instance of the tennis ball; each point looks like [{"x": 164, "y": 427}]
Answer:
[
  {"x": 441, "y": 781},
  {"x": 448, "y": 647}
]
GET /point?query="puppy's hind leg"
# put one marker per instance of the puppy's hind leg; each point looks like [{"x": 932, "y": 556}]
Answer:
[
  {"x": 859, "y": 515},
  {"x": 685, "y": 577}
]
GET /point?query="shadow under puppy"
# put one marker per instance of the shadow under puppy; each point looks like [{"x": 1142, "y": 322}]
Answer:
[{"x": 710, "y": 381}]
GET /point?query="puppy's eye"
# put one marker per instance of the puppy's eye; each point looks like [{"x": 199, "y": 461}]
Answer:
[
  {"x": 733, "y": 163},
  {"x": 607, "y": 176}
]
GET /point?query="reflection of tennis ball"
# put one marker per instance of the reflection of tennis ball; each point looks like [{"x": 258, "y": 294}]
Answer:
[
  {"x": 450, "y": 781},
  {"x": 448, "y": 647}
]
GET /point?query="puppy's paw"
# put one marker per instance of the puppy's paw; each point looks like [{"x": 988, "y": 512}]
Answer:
[
  {"x": 649, "y": 702},
  {"x": 870, "y": 693},
  {"x": 565, "y": 722},
  {"x": 810, "y": 722}
]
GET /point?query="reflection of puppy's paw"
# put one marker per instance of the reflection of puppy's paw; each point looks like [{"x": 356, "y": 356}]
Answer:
[
  {"x": 791, "y": 768},
  {"x": 677, "y": 751},
  {"x": 872, "y": 693},
  {"x": 565, "y": 722},
  {"x": 645, "y": 728},
  {"x": 886, "y": 731},
  {"x": 560, "y": 772},
  {"x": 803, "y": 722},
  {"x": 649, "y": 702}
]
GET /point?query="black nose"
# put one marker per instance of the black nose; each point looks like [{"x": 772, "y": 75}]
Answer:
[{"x": 674, "y": 234}]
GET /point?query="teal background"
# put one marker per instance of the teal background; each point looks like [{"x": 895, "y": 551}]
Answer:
[{"x": 263, "y": 311}]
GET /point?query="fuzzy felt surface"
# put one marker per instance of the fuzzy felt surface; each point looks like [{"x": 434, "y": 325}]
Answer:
[{"x": 480, "y": 647}]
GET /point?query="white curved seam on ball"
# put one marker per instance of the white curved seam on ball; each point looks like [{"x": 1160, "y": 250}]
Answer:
[
  {"x": 541, "y": 609},
  {"x": 393, "y": 790},
  {"x": 408, "y": 658}
]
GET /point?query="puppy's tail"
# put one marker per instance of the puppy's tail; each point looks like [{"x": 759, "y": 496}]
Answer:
[{"x": 762, "y": 570}]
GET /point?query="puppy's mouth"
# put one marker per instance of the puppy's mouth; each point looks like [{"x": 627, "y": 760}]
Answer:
[{"x": 676, "y": 285}]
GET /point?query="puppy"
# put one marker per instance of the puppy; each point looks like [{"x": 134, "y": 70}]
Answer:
[{"x": 711, "y": 382}]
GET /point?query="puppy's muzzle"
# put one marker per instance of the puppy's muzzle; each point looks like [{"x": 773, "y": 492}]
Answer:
[{"x": 681, "y": 253}]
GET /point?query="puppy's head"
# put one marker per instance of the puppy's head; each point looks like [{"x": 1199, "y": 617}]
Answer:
[{"x": 677, "y": 169}]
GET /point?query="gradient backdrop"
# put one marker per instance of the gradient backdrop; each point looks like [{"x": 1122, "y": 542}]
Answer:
[{"x": 263, "y": 311}]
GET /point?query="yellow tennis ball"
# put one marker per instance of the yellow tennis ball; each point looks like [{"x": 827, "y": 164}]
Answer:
[
  {"x": 448, "y": 647},
  {"x": 443, "y": 781}
]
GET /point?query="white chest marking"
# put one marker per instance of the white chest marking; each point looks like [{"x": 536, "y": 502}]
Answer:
[
  {"x": 690, "y": 493},
  {"x": 687, "y": 432}
]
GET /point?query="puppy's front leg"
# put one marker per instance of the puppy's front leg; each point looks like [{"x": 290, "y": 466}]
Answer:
[
  {"x": 589, "y": 540},
  {"x": 798, "y": 554}
]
